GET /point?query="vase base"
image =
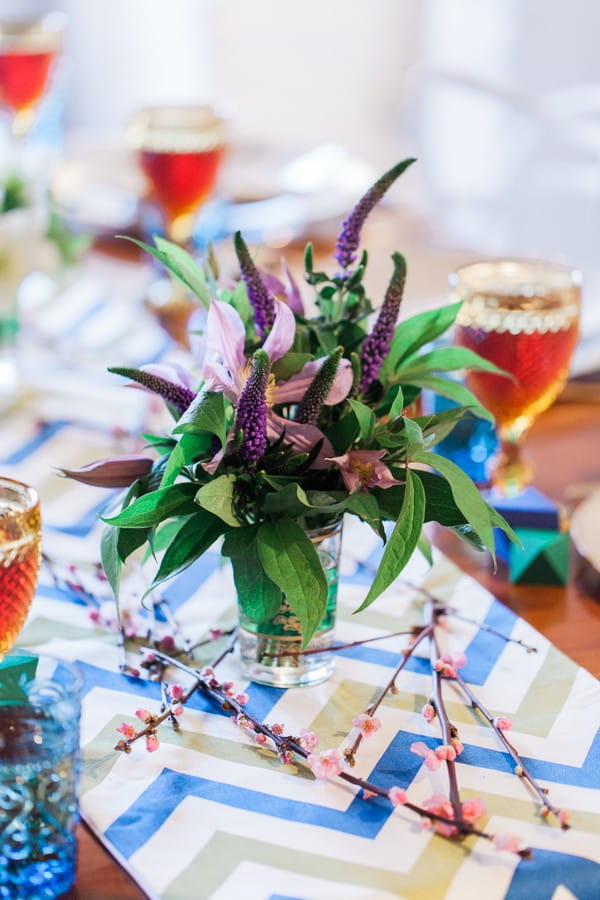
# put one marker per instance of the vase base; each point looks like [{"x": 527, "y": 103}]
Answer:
[{"x": 287, "y": 676}]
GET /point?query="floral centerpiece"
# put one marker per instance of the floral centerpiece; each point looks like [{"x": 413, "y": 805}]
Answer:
[{"x": 291, "y": 422}]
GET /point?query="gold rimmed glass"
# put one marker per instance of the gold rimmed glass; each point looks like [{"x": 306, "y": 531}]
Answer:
[
  {"x": 28, "y": 50},
  {"x": 180, "y": 149},
  {"x": 524, "y": 317},
  {"x": 20, "y": 553}
]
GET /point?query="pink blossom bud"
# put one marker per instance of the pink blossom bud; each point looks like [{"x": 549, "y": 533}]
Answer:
[
  {"x": 94, "y": 616},
  {"x": 175, "y": 691},
  {"x": 428, "y": 712},
  {"x": 563, "y": 817},
  {"x": 207, "y": 672},
  {"x": 445, "y": 751},
  {"x": 261, "y": 738},
  {"x": 473, "y": 809},
  {"x": 508, "y": 842},
  {"x": 277, "y": 728},
  {"x": 502, "y": 723},
  {"x": 397, "y": 796},
  {"x": 167, "y": 643},
  {"x": 152, "y": 743},
  {"x": 114, "y": 472},
  {"x": 214, "y": 634},
  {"x": 458, "y": 747},
  {"x": 143, "y": 714},
  {"x": 177, "y": 710},
  {"x": 241, "y": 698},
  {"x": 126, "y": 729}
]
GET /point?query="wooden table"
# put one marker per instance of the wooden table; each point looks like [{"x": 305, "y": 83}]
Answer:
[{"x": 564, "y": 445}]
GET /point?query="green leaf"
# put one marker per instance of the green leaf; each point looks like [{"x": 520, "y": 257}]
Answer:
[
  {"x": 217, "y": 497},
  {"x": 402, "y": 541},
  {"x": 424, "y": 545},
  {"x": 414, "y": 437},
  {"x": 188, "y": 448},
  {"x": 308, "y": 259},
  {"x": 152, "y": 508},
  {"x": 453, "y": 390},
  {"x": 206, "y": 413},
  {"x": 413, "y": 333},
  {"x": 365, "y": 418},
  {"x": 193, "y": 539},
  {"x": 289, "y": 365},
  {"x": 239, "y": 301},
  {"x": 109, "y": 557},
  {"x": 130, "y": 540},
  {"x": 343, "y": 433},
  {"x": 290, "y": 500},
  {"x": 366, "y": 507},
  {"x": 289, "y": 559},
  {"x": 397, "y": 404},
  {"x": 466, "y": 496},
  {"x": 184, "y": 268},
  {"x": 259, "y": 597},
  {"x": 447, "y": 359},
  {"x": 439, "y": 425}
]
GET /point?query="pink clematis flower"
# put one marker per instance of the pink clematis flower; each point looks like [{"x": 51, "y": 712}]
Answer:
[
  {"x": 432, "y": 761},
  {"x": 363, "y": 469},
  {"x": 366, "y": 724},
  {"x": 327, "y": 764},
  {"x": 226, "y": 369}
]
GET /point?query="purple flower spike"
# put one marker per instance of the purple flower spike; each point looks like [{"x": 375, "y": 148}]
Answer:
[
  {"x": 261, "y": 301},
  {"x": 349, "y": 237},
  {"x": 377, "y": 344},
  {"x": 251, "y": 417},
  {"x": 176, "y": 394}
]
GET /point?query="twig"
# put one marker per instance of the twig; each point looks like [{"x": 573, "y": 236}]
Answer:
[
  {"x": 333, "y": 648},
  {"x": 451, "y": 611},
  {"x": 520, "y": 768},
  {"x": 449, "y": 730},
  {"x": 350, "y": 752}
]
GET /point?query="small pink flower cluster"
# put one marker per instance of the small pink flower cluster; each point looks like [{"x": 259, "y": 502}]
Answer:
[
  {"x": 428, "y": 712},
  {"x": 434, "y": 758},
  {"x": 326, "y": 764},
  {"x": 366, "y": 724},
  {"x": 397, "y": 796},
  {"x": 502, "y": 723},
  {"x": 449, "y": 663},
  {"x": 472, "y": 810},
  {"x": 308, "y": 740}
]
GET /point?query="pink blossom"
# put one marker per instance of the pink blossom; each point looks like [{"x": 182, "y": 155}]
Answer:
[
  {"x": 207, "y": 672},
  {"x": 326, "y": 764},
  {"x": 439, "y": 805},
  {"x": 458, "y": 747},
  {"x": 127, "y": 730},
  {"x": 431, "y": 760},
  {"x": 241, "y": 698},
  {"x": 502, "y": 723},
  {"x": 94, "y": 616},
  {"x": 445, "y": 751},
  {"x": 214, "y": 634},
  {"x": 563, "y": 817},
  {"x": 177, "y": 710},
  {"x": 509, "y": 842},
  {"x": 308, "y": 740},
  {"x": 152, "y": 743},
  {"x": 261, "y": 738},
  {"x": 167, "y": 643},
  {"x": 444, "y": 668},
  {"x": 363, "y": 469},
  {"x": 143, "y": 714},
  {"x": 175, "y": 691},
  {"x": 366, "y": 724},
  {"x": 277, "y": 728},
  {"x": 397, "y": 796},
  {"x": 456, "y": 660},
  {"x": 473, "y": 809},
  {"x": 428, "y": 712},
  {"x": 286, "y": 756}
]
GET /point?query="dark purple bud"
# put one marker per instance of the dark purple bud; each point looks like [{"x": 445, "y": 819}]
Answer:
[
  {"x": 377, "y": 344},
  {"x": 260, "y": 299},
  {"x": 310, "y": 405},
  {"x": 349, "y": 238},
  {"x": 176, "y": 394},
  {"x": 251, "y": 417}
]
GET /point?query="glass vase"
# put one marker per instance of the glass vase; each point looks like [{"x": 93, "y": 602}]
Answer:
[{"x": 271, "y": 651}]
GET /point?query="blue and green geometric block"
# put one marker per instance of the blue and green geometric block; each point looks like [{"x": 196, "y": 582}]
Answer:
[{"x": 543, "y": 557}]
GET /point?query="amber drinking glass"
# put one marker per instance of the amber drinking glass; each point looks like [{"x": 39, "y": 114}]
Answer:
[
  {"x": 20, "y": 550},
  {"x": 28, "y": 50},
  {"x": 523, "y": 316},
  {"x": 180, "y": 150}
]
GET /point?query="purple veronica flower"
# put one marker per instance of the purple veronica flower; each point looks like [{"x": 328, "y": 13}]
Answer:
[
  {"x": 261, "y": 301},
  {"x": 252, "y": 410},
  {"x": 377, "y": 344},
  {"x": 349, "y": 237},
  {"x": 312, "y": 401},
  {"x": 177, "y": 395}
]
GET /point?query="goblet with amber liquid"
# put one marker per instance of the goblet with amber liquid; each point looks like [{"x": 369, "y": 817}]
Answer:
[
  {"x": 20, "y": 551},
  {"x": 524, "y": 317},
  {"x": 180, "y": 150},
  {"x": 28, "y": 50}
]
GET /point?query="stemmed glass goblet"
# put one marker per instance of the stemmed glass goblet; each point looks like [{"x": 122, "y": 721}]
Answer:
[
  {"x": 28, "y": 50},
  {"x": 524, "y": 317},
  {"x": 20, "y": 551},
  {"x": 180, "y": 150}
]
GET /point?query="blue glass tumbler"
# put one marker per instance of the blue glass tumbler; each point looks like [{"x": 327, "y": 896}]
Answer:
[{"x": 39, "y": 767}]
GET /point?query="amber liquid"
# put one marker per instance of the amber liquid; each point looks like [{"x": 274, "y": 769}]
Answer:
[
  {"x": 20, "y": 551},
  {"x": 181, "y": 181},
  {"x": 535, "y": 346},
  {"x": 24, "y": 77}
]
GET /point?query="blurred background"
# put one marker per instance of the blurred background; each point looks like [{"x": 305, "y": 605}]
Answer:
[{"x": 500, "y": 101}]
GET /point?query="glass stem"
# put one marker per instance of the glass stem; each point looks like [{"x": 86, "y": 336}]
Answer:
[{"x": 510, "y": 473}]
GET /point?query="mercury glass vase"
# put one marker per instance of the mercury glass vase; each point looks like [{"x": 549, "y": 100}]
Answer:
[{"x": 271, "y": 651}]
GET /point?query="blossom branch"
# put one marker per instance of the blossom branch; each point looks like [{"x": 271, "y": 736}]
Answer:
[
  {"x": 448, "y": 729},
  {"x": 334, "y": 648},
  {"x": 520, "y": 768}
]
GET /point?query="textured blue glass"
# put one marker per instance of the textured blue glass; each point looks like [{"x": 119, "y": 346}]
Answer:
[{"x": 39, "y": 763}]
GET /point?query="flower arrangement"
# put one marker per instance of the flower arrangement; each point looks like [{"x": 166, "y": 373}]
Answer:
[{"x": 291, "y": 421}]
